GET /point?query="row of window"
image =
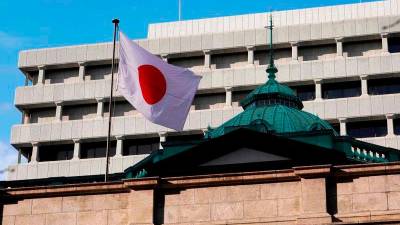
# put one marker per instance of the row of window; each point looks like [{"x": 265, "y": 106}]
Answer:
[
  {"x": 371, "y": 128},
  {"x": 92, "y": 150},
  {"x": 357, "y": 129},
  {"x": 232, "y": 60},
  {"x": 217, "y": 100},
  {"x": 349, "y": 89}
]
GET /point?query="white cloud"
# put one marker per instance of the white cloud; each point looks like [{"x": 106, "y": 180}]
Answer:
[{"x": 8, "y": 156}]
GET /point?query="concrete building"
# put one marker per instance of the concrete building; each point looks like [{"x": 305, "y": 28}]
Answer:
[{"x": 343, "y": 61}]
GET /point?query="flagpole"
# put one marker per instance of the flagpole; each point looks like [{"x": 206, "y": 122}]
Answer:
[{"x": 115, "y": 22}]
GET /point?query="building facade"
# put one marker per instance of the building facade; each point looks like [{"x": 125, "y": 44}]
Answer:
[{"x": 343, "y": 61}]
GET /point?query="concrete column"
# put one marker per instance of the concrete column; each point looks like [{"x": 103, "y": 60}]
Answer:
[
  {"x": 82, "y": 69},
  {"x": 385, "y": 44},
  {"x": 364, "y": 85},
  {"x": 318, "y": 89},
  {"x": 59, "y": 111},
  {"x": 343, "y": 129},
  {"x": 228, "y": 96},
  {"x": 100, "y": 107},
  {"x": 164, "y": 57},
  {"x": 250, "y": 54},
  {"x": 207, "y": 58},
  {"x": 19, "y": 156},
  {"x": 339, "y": 46},
  {"x": 163, "y": 138},
  {"x": 35, "y": 152},
  {"x": 77, "y": 149},
  {"x": 295, "y": 50},
  {"x": 27, "y": 117},
  {"x": 42, "y": 74},
  {"x": 390, "y": 125},
  {"x": 120, "y": 146}
]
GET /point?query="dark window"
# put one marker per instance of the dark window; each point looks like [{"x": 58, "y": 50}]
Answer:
[
  {"x": 305, "y": 92},
  {"x": 26, "y": 152},
  {"x": 336, "y": 127},
  {"x": 140, "y": 146},
  {"x": 56, "y": 152},
  {"x": 384, "y": 86},
  {"x": 96, "y": 150},
  {"x": 394, "y": 44},
  {"x": 341, "y": 89},
  {"x": 375, "y": 128},
  {"x": 396, "y": 126}
]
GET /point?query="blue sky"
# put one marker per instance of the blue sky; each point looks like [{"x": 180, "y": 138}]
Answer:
[{"x": 27, "y": 24}]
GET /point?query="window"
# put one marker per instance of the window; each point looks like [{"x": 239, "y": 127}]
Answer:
[
  {"x": 394, "y": 44},
  {"x": 384, "y": 86},
  {"x": 140, "y": 146},
  {"x": 396, "y": 124},
  {"x": 374, "y": 128},
  {"x": 336, "y": 127},
  {"x": 341, "y": 89},
  {"x": 209, "y": 101},
  {"x": 56, "y": 152},
  {"x": 305, "y": 92},
  {"x": 229, "y": 60},
  {"x": 26, "y": 152},
  {"x": 238, "y": 96},
  {"x": 96, "y": 149}
]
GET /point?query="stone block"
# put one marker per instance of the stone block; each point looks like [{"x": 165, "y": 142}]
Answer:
[
  {"x": 184, "y": 197},
  {"x": 92, "y": 218},
  {"x": 118, "y": 217},
  {"x": 30, "y": 219},
  {"x": 228, "y": 40},
  {"x": 77, "y": 203},
  {"x": 344, "y": 204},
  {"x": 61, "y": 218},
  {"x": 211, "y": 195},
  {"x": 171, "y": 214},
  {"x": 244, "y": 192},
  {"x": 260, "y": 209},
  {"x": 280, "y": 190},
  {"x": 370, "y": 202},
  {"x": 23, "y": 207},
  {"x": 313, "y": 195},
  {"x": 185, "y": 44},
  {"x": 394, "y": 200},
  {"x": 316, "y": 31},
  {"x": 227, "y": 211},
  {"x": 47, "y": 205},
  {"x": 195, "y": 213},
  {"x": 288, "y": 207},
  {"x": 393, "y": 182},
  {"x": 110, "y": 202}
]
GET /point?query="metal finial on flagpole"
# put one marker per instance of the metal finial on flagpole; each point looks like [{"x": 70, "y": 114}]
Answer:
[{"x": 115, "y": 22}]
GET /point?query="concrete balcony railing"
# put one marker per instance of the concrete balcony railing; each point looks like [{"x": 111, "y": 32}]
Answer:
[
  {"x": 354, "y": 107},
  {"x": 218, "y": 38},
  {"x": 97, "y": 128},
  {"x": 364, "y": 106},
  {"x": 70, "y": 168},
  {"x": 340, "y": 67}
]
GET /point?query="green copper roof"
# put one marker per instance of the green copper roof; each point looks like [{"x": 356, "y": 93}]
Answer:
[
  {"x": 272, "y": 107},
  {"x": 273, "y": 118}
]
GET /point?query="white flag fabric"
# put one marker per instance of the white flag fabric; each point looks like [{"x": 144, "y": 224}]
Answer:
[{"x": 162, "y": 92}]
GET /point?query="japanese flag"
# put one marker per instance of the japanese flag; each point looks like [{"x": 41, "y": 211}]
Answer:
[{"x": 162, "y": 92}]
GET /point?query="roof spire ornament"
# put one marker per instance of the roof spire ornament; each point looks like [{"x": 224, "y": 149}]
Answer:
[{"x": 271, "y": 70}]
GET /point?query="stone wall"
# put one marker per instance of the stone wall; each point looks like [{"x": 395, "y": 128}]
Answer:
[{"x": 362, "y": 194}]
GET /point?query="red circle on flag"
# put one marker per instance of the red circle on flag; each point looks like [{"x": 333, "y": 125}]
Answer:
[{"x": 152, "y": 83}]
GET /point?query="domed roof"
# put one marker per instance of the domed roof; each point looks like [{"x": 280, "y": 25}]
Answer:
[{"x": 272, "y": 107}]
